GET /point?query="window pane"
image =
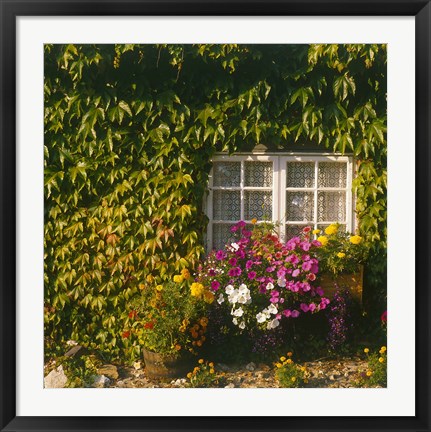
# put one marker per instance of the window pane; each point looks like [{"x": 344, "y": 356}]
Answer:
[
  {"x": 331, "y": 206},
  {"x": 258, "y": 204},
  {"x": 221, "y": 235},
  {"x": 258, "y": 174},
  {"x": 300, "y": 174},
  {"x": 227, "y": 174},
  {"x": 227, "y": 205},
  {"x": 294, "y": 230},
  {"x": 299, "y": 206},
  {"x": 332, "y": 174}
]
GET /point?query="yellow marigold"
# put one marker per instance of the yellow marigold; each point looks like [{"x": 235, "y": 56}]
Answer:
[
  {"x": 341, "y": 254},
  {"x": 189, "y": 375},
  {"x": 211, "y": 364},
  {"x": 381, "y": 359},
  {"x": 178, "y": 347},
  {"x": 366, "y": 350},
  {"x": 178, "y": 278},
  {"x": 283, "y": 358},
  {"x": 150, "y": 278},
  {"x": 200, "y": 361},
  {"x": 293, "y": 379},
  {"x": 211, "y": 370},
  {"x": 199, "y": 343},
  {"x": 208, "y": 297},
  {"x": 185, "y": 274},
  {"x": 196, "y": 369},
  {"x": 278, "y": 365},
  {"x": 383, "y": 348},
  {"x": 197, "y": 289},
  {"x": 369, "y": 373},
  {"x": 323, "y": 240},
  {"x": 159, "y": 287},
  {"x": 254, "y": 221},
  {"x": 203, "y": 321},
  {"x": 355, "y": 239},
  {"x": 316, "y": 231},
  {"x": 289, "y": 361},
  {"x": 289, "y": 354},
  {"x": 331, "y": 229}
]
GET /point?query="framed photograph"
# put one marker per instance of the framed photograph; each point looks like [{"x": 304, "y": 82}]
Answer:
[{"x": 214, "y": 216}]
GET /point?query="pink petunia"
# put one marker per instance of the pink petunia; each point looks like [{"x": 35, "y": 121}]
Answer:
[
  {"x": 215, "y": 285},
  {"x": 296, "y": 272},
  {"x": 251, "y": 275},
  {"x": 294, "y": 314}
]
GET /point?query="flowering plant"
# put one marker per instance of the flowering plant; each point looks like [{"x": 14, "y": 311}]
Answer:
[
  {"x": 341, "y": 252},
  {"x": 259, "y": 281},
  {"x": 171, "y": 318}
]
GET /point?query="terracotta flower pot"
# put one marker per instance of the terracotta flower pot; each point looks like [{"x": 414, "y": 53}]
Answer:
[
  {"x": 161, "y": 366},
  {"x": 351, "y": 281}
]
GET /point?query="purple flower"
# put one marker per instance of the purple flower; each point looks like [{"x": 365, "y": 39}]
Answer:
[
  {"x": 215, "y": 285},
  {"x": 249, "y": 264},
  {"x": 211, "y": 272},
  {"x": 240, "y": 224},
  {"x": 311, "y": 307},
  {"x": 305, "y": 246},
  {"x": 296, "y": 272},
  {"x": 235, "y": 271},
  {"x": 294, "y": 314},
  {"x": 233, "y": 262},
  {"x": 234, "y": 228},
  {"x": 270, "y": 269},
  {"x": 304, "y": 307},
  {"x": 220, "y": 255},
  {"x": 251, "y": 275},
  {"x": 306, "y": 266},
  {"x": 319, "y": 291},
  {"x": 246, "y": 233},
  {"x": 240, "y": 253},
  {"x": 287, "y": 313}
]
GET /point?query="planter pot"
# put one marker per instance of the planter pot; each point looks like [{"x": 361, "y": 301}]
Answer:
[
  {"x": 351, "y": 281},
  {"x": 161, "y": 366}
]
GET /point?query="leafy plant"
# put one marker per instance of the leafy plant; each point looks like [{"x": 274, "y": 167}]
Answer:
[
  {"x": 289, "y": 374},
  {"x": 204, "y": 375},
  {"x": 376, "y": 373}
]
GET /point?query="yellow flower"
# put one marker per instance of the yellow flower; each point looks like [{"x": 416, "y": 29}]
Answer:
[
  {"x": 381, "y": 359},
  {"x": 355, "y": 239},
  {"x": 366, "y": 350},
  {"x": 289, "y": 354},
  {"x": 199, "y": 343},
  {"x": 211, "y": 370},
  {"x": 341, "y": 254},
  {"x": 211, "y": 365},
  {"x": 283, "y": 358},
  {"x": 196, "y": 369},
  {"x": 306, "y": 381},
  {"x": 331, "y": 229},
  {"x": 254, "y": 221},
  {"x": 178, "y": 347},
  {"x": 293, "y": 379},
  {"x": 185, "y": 274},
  {"x": 383, "y": 348},
  {"x": 289, "y": 361},
  {"x": 197, "y": 289},
  {"x": 159, "y": 287},
  {"x": 189, "y": 375},
  {"x": 323, "y": 240},
  {"x": 208, "y": 297},
  {"x": 278, "y": 365},
  {"x": 150, "y": 278},
  {"x": 369, "y": 373},
  {"x": 200, "y": 361},
  {"x": 203, "y": 321},
  {"x": 178, "y": 278},
  {"x": 316, "y": 231}
]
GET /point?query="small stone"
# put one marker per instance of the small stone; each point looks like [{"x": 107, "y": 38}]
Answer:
[
  {"x": 100, "y": 381},
  {"x": 222, "y": 367},
  {"x": 76, "y": 351},
  {"x": 251, "y": 367},
  {"x": 231, "y": 385},
  {"x": 108, "y": 370},
  {"x": 331, "y": 377},
  {"x": 56, "y": 378}
]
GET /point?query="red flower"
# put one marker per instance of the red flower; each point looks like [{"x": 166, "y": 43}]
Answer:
[
  {"x": 306, "y": 230},
  {"x": 133, "y": 314},
  {"x": 125, "y": 334},
  {"x": 149, "y": 325},
  {"x": 384, "y": 317}
]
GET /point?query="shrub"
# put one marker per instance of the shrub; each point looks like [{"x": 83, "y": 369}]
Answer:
[{"x": 289, "y": 374}]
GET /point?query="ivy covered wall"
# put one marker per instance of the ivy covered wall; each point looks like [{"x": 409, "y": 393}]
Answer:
[{"x": 129, "y": 134}]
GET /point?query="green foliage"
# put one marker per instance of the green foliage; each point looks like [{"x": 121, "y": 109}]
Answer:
[
  {"x": 204, "y": 376},
  {"x": 129, "y": 134},
  {"x": 376, "y": 374},
  {"x": 290, "y": 374}
]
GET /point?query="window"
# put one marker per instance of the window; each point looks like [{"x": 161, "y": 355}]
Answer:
[{"x": 293, "y": 190}]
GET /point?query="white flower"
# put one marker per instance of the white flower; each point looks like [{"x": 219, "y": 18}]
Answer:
[
  {"x": 244, "y": 299},
  {"x": 237, "y": 312},
  {"x": 273, "y": 324},
  {"x": 233, "y": 297},
  {"x": 270, "y": 286},
  {"x": 243, "y": 289},
  {"x": 281, "y": 282},
  {"x": 242, "y": 325},
  {"x": 272, "y": 309},
  {"x": 234, "y": 246},
  {"x": 261, "y": 317},
  {"x": 235, "y": 321},
  {"x": 229, "y": 289},
  {"x": 220, "y": 299}
]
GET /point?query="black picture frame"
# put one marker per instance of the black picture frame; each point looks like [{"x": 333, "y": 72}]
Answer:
[{"x": 10, "y": 10}]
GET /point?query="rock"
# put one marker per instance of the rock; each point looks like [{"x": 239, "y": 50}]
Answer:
[
  {"x": 100, "y": 381},
  {"x": 56, "y": 378},
  {"x": 331, "y": 377},
  {"x": 222, "y": 367},
  {"x": 179, "y": 382},
  {"x": 251, "y": 367},
  {"x": 77, "y": 351},
  {"x": 108, "y": 370},
  {"x": 231, "y": 385}
]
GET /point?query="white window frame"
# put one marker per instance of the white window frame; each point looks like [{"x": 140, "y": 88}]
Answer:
[{"x": 279, "y": 188}]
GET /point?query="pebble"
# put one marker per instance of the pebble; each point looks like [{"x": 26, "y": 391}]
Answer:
[
  {"x": 231, "y": 385},
  {"x": 251, "y": 367}
]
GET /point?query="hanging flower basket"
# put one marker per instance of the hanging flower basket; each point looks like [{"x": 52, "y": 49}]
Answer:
[
  {"x": 352, "y": 281},
  {"x": 160, "y": 366}
]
